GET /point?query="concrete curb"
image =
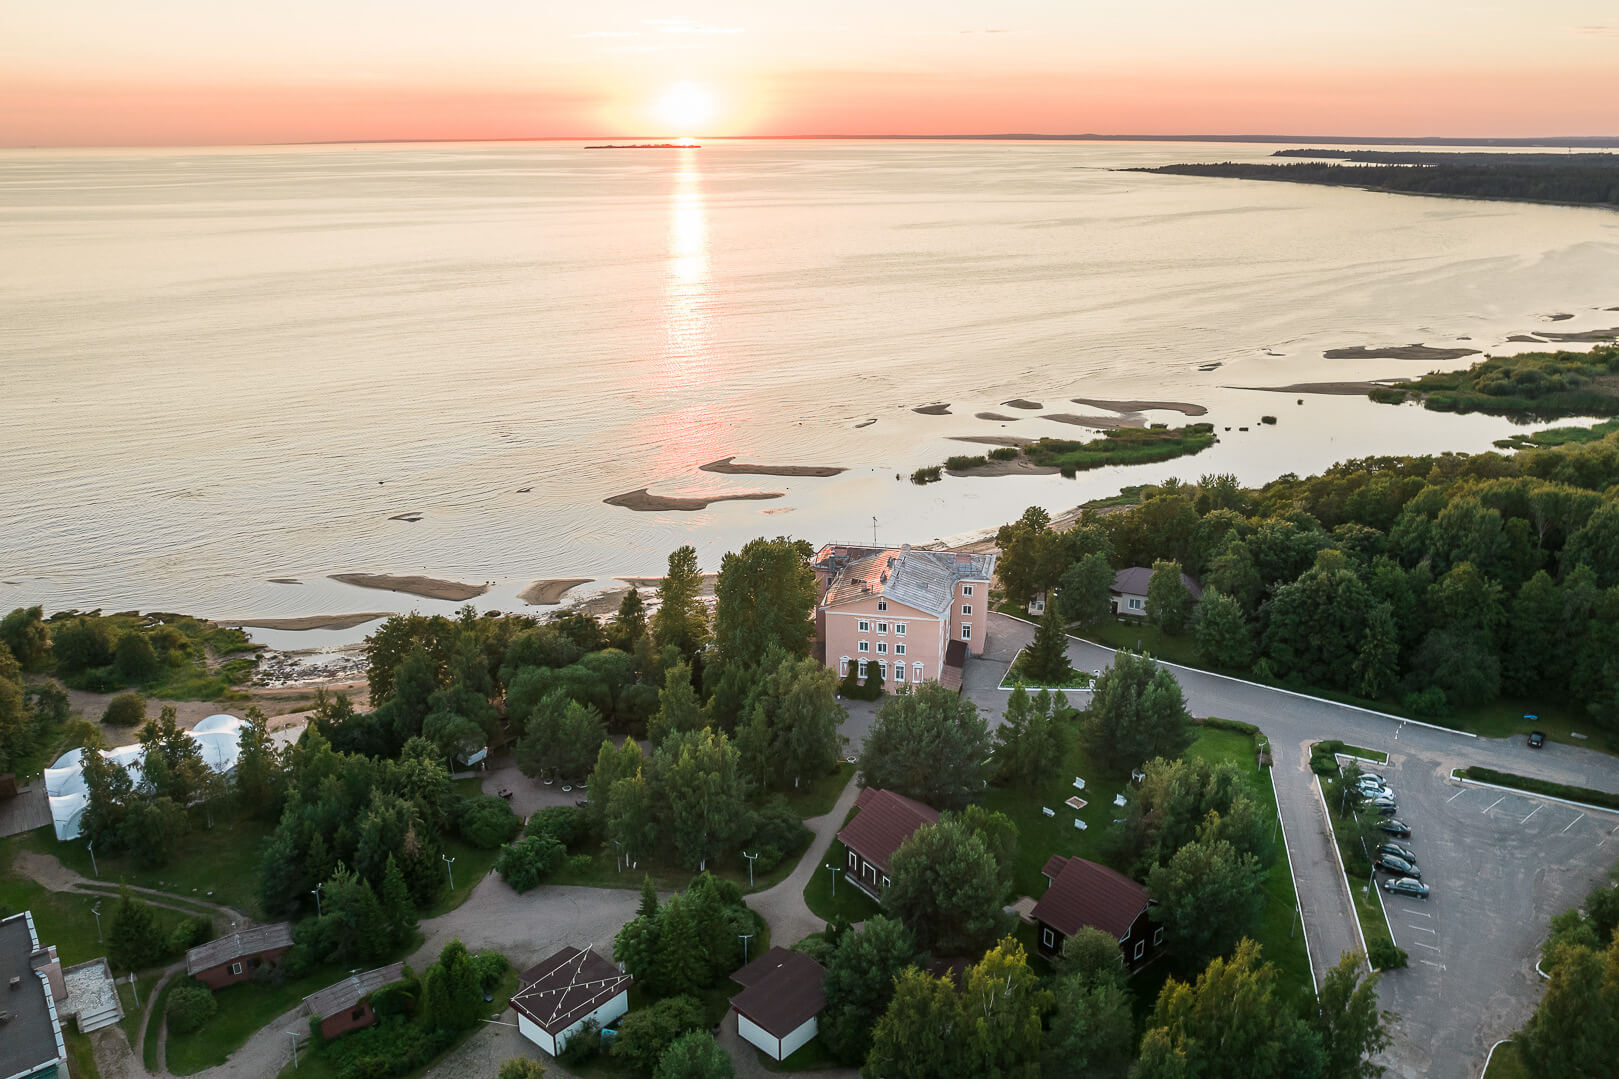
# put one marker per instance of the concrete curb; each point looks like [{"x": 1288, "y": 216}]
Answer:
[
  {"x": 1004, "y": 688},
  {"x": 1342, "y": 874},
  {"x": 1261, "y": 685},
  {"x": 1287, "y": 848},
  {"x": 1531, "y": 794},
  {"x": 1490, "y": 1056}
]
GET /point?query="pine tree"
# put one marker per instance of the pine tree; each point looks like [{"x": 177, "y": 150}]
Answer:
[
  {"x": 630, "y": 625},
  {"x": 1047, "y": 658},
  {"x": 649, "y": 899},
  {"x": 397, "y": 906},
  {"x": 133, "y": 941}
]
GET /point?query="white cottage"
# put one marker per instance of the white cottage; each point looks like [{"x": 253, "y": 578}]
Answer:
[
  {"x": 563, "y": 993},
  {"x": 782, "y": 998}
]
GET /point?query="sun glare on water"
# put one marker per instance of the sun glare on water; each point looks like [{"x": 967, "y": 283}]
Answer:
[{"x": 685, "y": 107}]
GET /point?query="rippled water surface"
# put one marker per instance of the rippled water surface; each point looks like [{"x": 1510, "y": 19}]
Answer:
[{"x": 225, "y": 366}]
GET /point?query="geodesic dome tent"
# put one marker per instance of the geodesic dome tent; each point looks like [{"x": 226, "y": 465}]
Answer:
[{"x": 218, "y": 737}]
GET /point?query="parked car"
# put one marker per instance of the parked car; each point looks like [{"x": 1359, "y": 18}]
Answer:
[
  {"x": 1383, "y": 803},
  {"x": 1372, "y": 790},
  {"x": 1406, "y": 886},
  {"x": 1399, "y": 850},
  {"x": 1398, "y": 865},
  {"x": 1395, "y": 827},
  {"x": 1536, "y": 739},
  {"x": 1370, "y": 777}
]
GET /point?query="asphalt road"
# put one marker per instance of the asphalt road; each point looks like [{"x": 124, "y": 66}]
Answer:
[{"x": 1497, "y": 878}]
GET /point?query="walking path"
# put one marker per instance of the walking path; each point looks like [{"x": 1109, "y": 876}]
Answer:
[
  {"x": 782, "y": 906},
  {"x": 57, "y": 877}
]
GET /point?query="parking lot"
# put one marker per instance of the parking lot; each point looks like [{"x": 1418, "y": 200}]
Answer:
[{"x": 1499, "y": 866}]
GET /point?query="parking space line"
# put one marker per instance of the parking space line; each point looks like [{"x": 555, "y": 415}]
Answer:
[
  {"x": 1532, "y": 812},
  {"x": 1572, "y": 823},
  {"x": 1495, "y": 803},
  {"x": 1431, "y": 963},
  {"x": 1417, "y": 914},
  {"x": 1419, "y": 944},
  {"x": 1422, "y": 929},
  {"x": 1455, "y": 796}
]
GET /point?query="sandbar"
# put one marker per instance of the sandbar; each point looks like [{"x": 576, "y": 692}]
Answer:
[
  {"x": 642, "y": 501},
  {"x": 412, "y": 516},
  {"x": 1583, "y": 335},
  {"x": 1022, "y": 402},
  {"x": 729, "y": 466},
  {"x": 865, "y": 423},
  {"x": 1101, "y": 423},
  {"x": 654, "y": 582},
  {"x": 428, "y": 587},
  {"x": 1527, "y": 339},
  {"x": 311, "y": 621},
  {"x": 933, "y": 410},
  {"x": 994, "y": 440},
  {"x": 1399, "y": 352},
  {"x": 1557, "y": 318},
  {"x": 994, "y": 416},
  {"x": 1020, "y": 466},
  {"x": 1345, "y": 389},
  {"x": 1141, "y": 406},
  {"x": 551, "y": 589},
  {"x": 285, "y": 580}
]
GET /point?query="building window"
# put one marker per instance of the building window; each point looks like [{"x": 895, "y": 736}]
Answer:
[
  {"x": 862, "y": 671},
  {"x": 1141, "y": 948},
  {"x": 843, "y": 667},
  {"x": 882, "y": 627},
  {"x": 1136, "y": 604},
  {"x": 864, "y": 646},
  {"x": 966, "y": 633},
  {"x": 236, "y": 968},
  {"x": 885, "y": 882},
  {"x": 357, "y": 1014},
  {"x": 899, "y": 649},
  {"x": 966, "y": 610},
  {"x": 882, "y": 665},
  {"x": 854, "y": 860},
  {"x": 916, "y": 672},
  {"x": 882, "y": 648},
  {"x": 899, "y": 671},
  {"x": 899, "y": 628},
  {"x": 882, "y": 605},
  {"x": 1157, "y": 936},
  {"x": 863, "y": 626},
  {"x": 1048, "y": 938},
  {"x": 966, "y": 589}
]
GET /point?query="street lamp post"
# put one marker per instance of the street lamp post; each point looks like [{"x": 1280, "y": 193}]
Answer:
[
  {"x": 91, "y": 847},
  {"x": 745, "y": 938},
  {"x": 96, "y": 910},
  {"x": 619, "y": 852},
  {"x": 293, "y": 1034},
  {"x": 750, "y": 858},
  {"x": 133, "y": 991},
  {"x": 448, "y": 864},
  {"x": 315, "y": 891},
  {"x": 835, "y": 869}
]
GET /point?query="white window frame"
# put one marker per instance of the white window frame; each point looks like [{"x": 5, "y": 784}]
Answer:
[
  {"x": 882, "y": 605},
  {"x": 966, "y": 589},
  {"x": 899, "y": 649},
  {"x": 882, "y": 648},
  {"x": 885, "y": 880},
  {"x": 236, "y": 968},
  {"x": 843, "y": 667},
  {"x": 863, "y": 626},
  {"x": 1047, "y": 937},
  {"x": 1141, "y": 948},
  {"x": 860, "y": 672},
  {"x": 916, "y": 672},
  {"x": 882, "y": 665},
  {"x": 1157, "y": 936},
  {"x": 899, "y": 629},
  {"x": 1136, "y": 604},
  {"x": 966, "y": 610},
  {"x": 864, "y": 646},
  {"x": 967, "y": 632},
  {"x": 854, "y": 860},
  {"x": 899, "y": 673},
  {"x": 882, "y": 627}
]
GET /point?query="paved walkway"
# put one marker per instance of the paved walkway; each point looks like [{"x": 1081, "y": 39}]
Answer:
[{"x": 782, "y": 906}]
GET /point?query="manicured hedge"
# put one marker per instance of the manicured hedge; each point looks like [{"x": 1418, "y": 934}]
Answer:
[{"x": 1541, "y": 786}]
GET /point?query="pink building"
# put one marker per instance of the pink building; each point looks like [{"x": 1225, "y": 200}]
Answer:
[{"x": 915, "y": 615}]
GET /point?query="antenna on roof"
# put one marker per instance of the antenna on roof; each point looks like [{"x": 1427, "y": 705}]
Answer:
[{"x": 874, "y": 531}]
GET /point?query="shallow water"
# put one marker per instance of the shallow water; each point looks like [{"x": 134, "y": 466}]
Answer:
[{"x": 223, "y": 366}]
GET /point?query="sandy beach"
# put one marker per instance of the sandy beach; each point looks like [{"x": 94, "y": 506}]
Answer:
[
  {"x": 310, "y": 621},
  {"x": 1182, "y": 407},
  {"x": 551, "y": 589},
  {"x": 428, "y": 587},
  {"x": 1019, "y": 466},
  {"x": 995, "y": 440},
  {"x": 730, "y": 467},
  {"x": 1583, "y": 335},
  {"x": 643, "y": 501},
  {"x": 1399, "y": 352}
]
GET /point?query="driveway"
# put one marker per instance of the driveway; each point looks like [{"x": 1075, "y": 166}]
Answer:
[{"x": 1444, "y": 1031}]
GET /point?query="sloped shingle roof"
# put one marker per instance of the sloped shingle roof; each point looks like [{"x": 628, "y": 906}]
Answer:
[
  {"x": 925, "y": 580},
  {"x": 884, "y": 821},
  {"x": 784, "y": 991},
  {"x": 261, "y": 938},
  {"x": 1083, "y": 893},
  {"x": 1133, "y": 581},
  {"x": 350, "y": 991},
  {"x": 559, "y": 991}
]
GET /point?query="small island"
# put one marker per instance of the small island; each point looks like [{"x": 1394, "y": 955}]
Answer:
[
  {"x": 1121, "y": 446},
  {"x": 1531, "y": 386},
  {"x": 647, "y": 146}
]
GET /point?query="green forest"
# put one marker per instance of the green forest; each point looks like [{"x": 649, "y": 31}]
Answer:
[
  {"x": 1583, "y": 185},
  {"x": 1435, "y": 586}
]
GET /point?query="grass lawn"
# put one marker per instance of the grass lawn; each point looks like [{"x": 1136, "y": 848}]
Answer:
[
  {"x": 1138, "y": 635},
  {"x": 1506, "y": 1063},
  {"x": 1368, "y": 903},
  {"x": 811, "y": 1056},
  {"x": 220, "y": 865},
  {"x": 817, "y": 797},
  {"x": 1365, "y": 754},
  {"x": 850, "y": 904},
  {"x": 244, "y": 1008},
  {"x": 1014, "y": 674},
  {"x": 313, "y": 1064},
  {"x": 154, "y": 1025},
  {"x": 131, "y": 1022},
  {"x": 81, "y": 1055},
  {"x": 472, "y": 864}
]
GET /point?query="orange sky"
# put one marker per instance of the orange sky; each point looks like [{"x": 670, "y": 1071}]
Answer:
[{"x": 86, "y": 72}]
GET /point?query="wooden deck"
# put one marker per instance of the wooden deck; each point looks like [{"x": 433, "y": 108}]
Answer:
[{"x": 29, "y": 810}]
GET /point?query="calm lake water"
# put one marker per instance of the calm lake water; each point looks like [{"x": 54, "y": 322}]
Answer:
[{"x": 225, "y": 366}]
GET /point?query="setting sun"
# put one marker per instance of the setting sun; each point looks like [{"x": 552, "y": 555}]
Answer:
[{"x": 685, "y": 107}]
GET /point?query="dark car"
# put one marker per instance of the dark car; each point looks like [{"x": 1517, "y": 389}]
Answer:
[
  {"x": 1383, "y": 804},
  {"x": 1399, "y": 850},
  {"x": 1395, "y": 827},
  {"x": 1536, "y": 739},
  {"x": 1398, "y": 866},
  {"x": 1406, "y": 886}
]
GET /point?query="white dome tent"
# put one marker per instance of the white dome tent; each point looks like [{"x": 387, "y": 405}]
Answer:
[{"x": 218, "y": 737}]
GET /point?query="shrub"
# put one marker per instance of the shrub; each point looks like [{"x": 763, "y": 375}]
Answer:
[
  {"x": 927, "y": 475},
  {"x": 1385, "y": 956},
  {"x": 1541, "y": 786},
  {"x": 582, "y": 1046},
  {"x": 396, "y": 999},
  {"x": 125, "y": 710},
  {"x": 527, "y": 862},
  {"x": 1271, "y": 420},
  {"x": 392, "y": 1047},
  {"x": 778, "y": 827},
  {"x": 190, "y": 1006},
  {"x": 644, "y": 1034},
  {"x": 190, "y": 933},
  {"x": 568, "y": 825},
  {"x": 136, "y": 658},
  {"x": 1005, "y": 453},
  {"x": 1427, "y": 702},
  {"x": 962, "y": 461},
  {"x": 852, "y": 688},
  {"x": 486, "y": 821}
]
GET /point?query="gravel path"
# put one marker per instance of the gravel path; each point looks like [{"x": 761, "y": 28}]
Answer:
[{"x": 57, "y": 877}]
